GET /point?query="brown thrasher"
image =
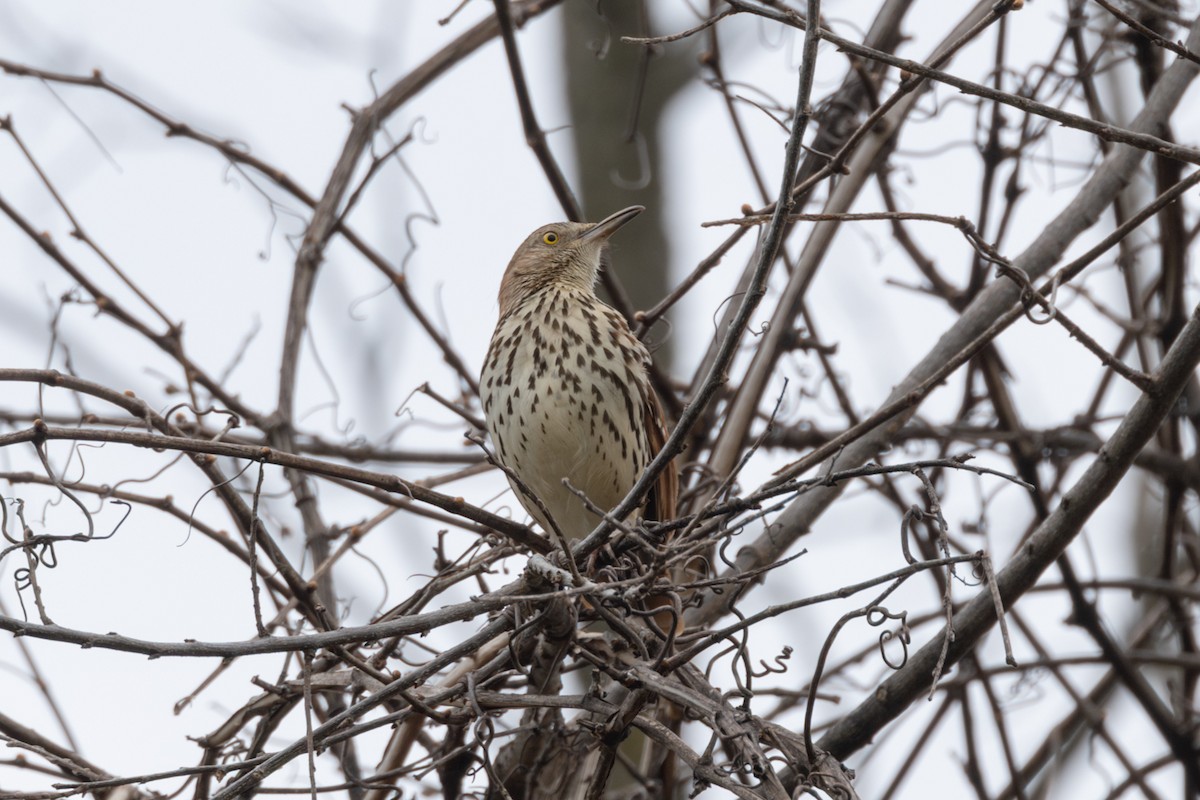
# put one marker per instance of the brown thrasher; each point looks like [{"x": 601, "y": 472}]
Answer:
[
  {"x": 569, "y": 404},
  {"x": 565, "y": 387}
]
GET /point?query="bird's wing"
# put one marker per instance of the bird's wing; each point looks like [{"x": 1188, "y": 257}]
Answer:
[{"x": 661, "y": 504}]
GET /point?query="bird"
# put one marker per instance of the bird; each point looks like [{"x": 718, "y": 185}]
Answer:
[{"x": 565, "y": 385}]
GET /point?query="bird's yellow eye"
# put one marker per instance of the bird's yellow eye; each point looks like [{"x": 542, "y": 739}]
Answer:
[{"x": 550, "y": 238}]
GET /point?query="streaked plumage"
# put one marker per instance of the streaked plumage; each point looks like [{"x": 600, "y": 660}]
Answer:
[{"x": 565, "y": 387}]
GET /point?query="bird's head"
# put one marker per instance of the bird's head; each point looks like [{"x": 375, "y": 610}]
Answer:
[{"x": 567, "y": 254}]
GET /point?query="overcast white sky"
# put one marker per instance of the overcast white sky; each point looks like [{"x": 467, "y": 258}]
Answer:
[{"x": 204, "y": 243}]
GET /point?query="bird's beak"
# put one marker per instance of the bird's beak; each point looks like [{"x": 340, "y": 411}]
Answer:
[{"x": 609, "y": 225}]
